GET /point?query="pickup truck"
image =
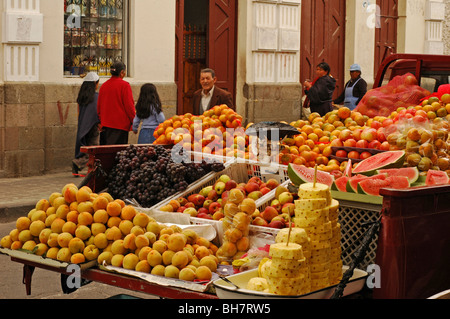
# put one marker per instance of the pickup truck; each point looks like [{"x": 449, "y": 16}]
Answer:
[{"x": 431, "y": 71}]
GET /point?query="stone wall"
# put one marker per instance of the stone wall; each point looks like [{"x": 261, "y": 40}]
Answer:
[
  {"x": 38, "y": 123},
  {"x": 446, "y": 28},
  {"x": 272, "y": 102}
]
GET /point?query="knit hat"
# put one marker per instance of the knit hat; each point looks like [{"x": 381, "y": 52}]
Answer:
[{"x": 91, "y": 77}]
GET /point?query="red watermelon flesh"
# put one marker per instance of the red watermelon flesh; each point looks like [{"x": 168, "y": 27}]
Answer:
[
  {"x": 411, "y": 172},
  {"x": 299, "y": 174},
  {"x": 341, "y": 183},
  {"x": 352, "y": 184},
  {"x": 435, "y": 177},
  {"x": 388, "y": 159},
  {"x": 373, "y": 186}
]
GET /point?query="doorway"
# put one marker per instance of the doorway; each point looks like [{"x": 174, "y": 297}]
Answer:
[
  {"x": 386, "y": 31},
  {"x": 205, "y": 37}
]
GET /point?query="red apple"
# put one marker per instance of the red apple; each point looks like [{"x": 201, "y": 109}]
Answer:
[
  {"x": 203, "y": 210},
  {"x": 272, "y": 183},
  {"x": 353, "y": 155},
  {"x": 214, "y": 207},
  {"x": 350, "y": 143},
  {"x": 288, "y": 208},
  {"x": 181, "y": 209},
  {"x": 374, "y": 144},
  {"x": 255, "y": 195},
  {"x": 357, "y": 133},
  {"x": 277, "y": 224},
  {"x": 369, "y": 134},
  {"x": 362, "y": 144},
  {"x": 212, "y": 195},
  {"x": 255, "y": 179},
  {"x": 269, "y": 213},
  {"x": 251, "y": 187},
  {"x": 230, "y": 185},
  {"x": 259, "y": 221},
  {"x": 341, "y": 153},
  {"x": 365, "y": 155},
  {"x": 385, "y": 146},
  {"x": 182, "y": 201},
  {"x": 265, "y": 190},
  {"x": 276, "y": 204},
  {"x": 204, "y": 215}
]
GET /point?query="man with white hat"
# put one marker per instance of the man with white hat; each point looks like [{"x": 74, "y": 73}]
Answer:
[{"x": 354, "y": 89}]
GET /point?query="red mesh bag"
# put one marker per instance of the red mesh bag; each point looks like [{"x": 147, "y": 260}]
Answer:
[{"x": 401, "y": 91}]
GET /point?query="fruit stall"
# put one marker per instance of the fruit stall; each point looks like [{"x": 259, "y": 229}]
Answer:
[{"x": 200, "y": 214}]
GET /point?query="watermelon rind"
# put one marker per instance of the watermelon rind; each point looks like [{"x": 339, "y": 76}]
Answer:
[
  {"x": 411, "y": 172},
  {"x": 299, "y": 174},
  {"x": 384, "y": 160}
]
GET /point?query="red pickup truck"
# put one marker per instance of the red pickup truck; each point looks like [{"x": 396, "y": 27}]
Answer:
[{"x": 431, "y": 71}]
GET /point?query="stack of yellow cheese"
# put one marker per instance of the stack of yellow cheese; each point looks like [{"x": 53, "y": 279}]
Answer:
[
  {"x": 283, "y": 271},
  {"x": 335, "y": 272},
  {"x": 312, "y": 212},
  {"x": 298, "y": 236}
]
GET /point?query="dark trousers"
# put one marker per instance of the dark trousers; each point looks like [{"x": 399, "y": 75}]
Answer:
[{"x": 112, "y": 136}]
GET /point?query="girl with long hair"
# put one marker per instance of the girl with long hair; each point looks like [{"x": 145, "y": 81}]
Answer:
[{"x": 149, "y": 112}]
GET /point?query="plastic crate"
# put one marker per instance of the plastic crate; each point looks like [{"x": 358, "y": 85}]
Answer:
[{"x": 241, "y": 173}]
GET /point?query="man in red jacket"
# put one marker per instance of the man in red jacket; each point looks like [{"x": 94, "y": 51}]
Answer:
[
  {"x": 115, "y": 107},
  {"x": 209, "y": 95}
]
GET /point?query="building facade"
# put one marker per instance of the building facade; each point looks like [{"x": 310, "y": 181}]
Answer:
[{"x": 262, "y": 51}]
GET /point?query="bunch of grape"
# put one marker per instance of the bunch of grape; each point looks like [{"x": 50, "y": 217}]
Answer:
[{"x": 149, "y": 175}]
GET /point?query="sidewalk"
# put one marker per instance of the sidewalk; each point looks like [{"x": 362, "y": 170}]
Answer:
[{"x": 19, "y": 195}]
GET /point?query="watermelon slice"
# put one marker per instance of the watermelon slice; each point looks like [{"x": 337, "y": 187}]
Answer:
[
  {"x": 372, "y": 186},
  {"x": 300, "y": 174},
  {"x": 384, "y": 160},
  {"x": 411, "y": 172},
  {"x": 435, "y": 177},
  {"x": 348, "y": 168},
  {"x": 340, "y": 184},
  {"x": 352, "y": 183}
]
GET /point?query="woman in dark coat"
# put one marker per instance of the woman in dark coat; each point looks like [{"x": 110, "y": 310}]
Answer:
[
  {"x": 320, "y": 92},
  {"x": 88, "y": 132}
]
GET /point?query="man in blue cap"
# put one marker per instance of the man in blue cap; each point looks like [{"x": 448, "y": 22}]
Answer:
[{"x": 354, "y": 89}]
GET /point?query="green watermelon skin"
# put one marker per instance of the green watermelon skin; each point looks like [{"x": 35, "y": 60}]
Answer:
[
  {"x": 299, "y": 174},
  {"x": 384, "y": 160}
]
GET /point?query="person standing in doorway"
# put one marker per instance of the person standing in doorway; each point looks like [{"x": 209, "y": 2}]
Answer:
[
  {"x": 209, "y": 95},
  {"x": 354, "y": 90},
  {"x": 115, "y": 107},
  {"x": 149, "y": 112},
  {"x": 319, "y": 93},
  {"x": 88, "y": 131}
]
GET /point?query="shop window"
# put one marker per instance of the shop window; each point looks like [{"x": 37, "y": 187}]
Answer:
[{"x": 94, "y": 35}]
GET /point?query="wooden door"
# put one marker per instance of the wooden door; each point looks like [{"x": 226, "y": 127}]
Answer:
[
  {"x": 323, "y": 39},
  {"x": 222, "y": 42},
  {"x": 386, "y": 31},
  {"x": 201, "y": 45}
]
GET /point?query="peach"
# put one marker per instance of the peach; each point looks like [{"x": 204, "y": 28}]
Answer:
[
  {"x": 143, "y": 253},
  {"x": 106, "y": 257},
  {"x": 117, "y": 247},
  {"x": 83, "y": 232},
  {"x": 73, "y": 206},
  {"x": 44, "y": 235},
  {"x": 243, "y": 244},
  {"x": 154, "y": 258},
  {"x": 129, "y": 242},
  {"x": 38, "y": 215},
  {"x": 25, "y": 235},
  {"x": 50, "y": 211},
  {"x": 114, "y": 209},
  {"x": 62, "y": 211},
  {"x": 49, "y": 220},
  {"x": 180, "y": 259},
  {"x": 77, "y": 258},
  {"x": 232, "y": 234},
  {"x": 41, "y": 249},
  {"x": 235, "y": 196},
  {"x": 210, "y": 262},
  {"x": 70, "y": 193},
  {"x": 176, "y": 241},
  {"x": 137, "y": 230},
  {"x": 52, "y": 253},
  {"x": 72, "y": 216},
  {"x": 100, "y": 203},
  {"x": 151, "y": 237},
  {"x": 97, "y": 228},
  {"x": 76, "y": 245},
  {"x": 241, "y": 221},
  {"x": 128, "y": 212},
  {"x": 52, "y": 240},
  {"x": 202, "y": 241},
  {"x": 52, "y": 197},
  {"x": 117, "y": 260},
  {"x": 158, "y": 270},
  {"x": 160, "y": 246},
  {"x": 113, "y": 233},
  {"x": 85, "y": 207},
  {"x": 141, "y": 219},
  {"x": 171, "y": 272},
  {"x": 58, "y": 201},
  {"x": 91, "y": 252},
  {"x": 29, "y": 245},
  {"x": 166, "y": 231},
  {"x": 36, "y": 227},
  {"x": 141, "y": 241},
  {"x": 164, "y": 237},
  {"x": 203, "y": 273},
  {"x": 187, "y": 274},
  {"x": 69, "y": 227},
  {"x": 228, "y": 249},
  {"x": 167, "y": 257},
  {"x": 64, "y": 254},
  {"x": 113, "y": 221},
  {"x": 121, "y": 202},
  {"x": 101, "y": 241},
  {"x": 85, "y": 218},
  {"x": 42, "y": 204},
  {"x": 143, "y": 266},
  {"x": 64, "y": 239},
  {"x": 101, "y": 216},
  {"x": 107, "y": 196},
  {"x": 248, "y": 206},
  {"x": 17, "y": 244},
  {"x": 6, "y": 242},
  {"x": 154, "y": 227},
  {"x": 201, "y": 252},
  {"x": 130, "y": 261},
  {"x": 82, "y": 195}
]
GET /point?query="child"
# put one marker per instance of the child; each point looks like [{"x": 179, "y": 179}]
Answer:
[
  {"x": 87, "y": 132},
  {"x": 148, "y": 111}
]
